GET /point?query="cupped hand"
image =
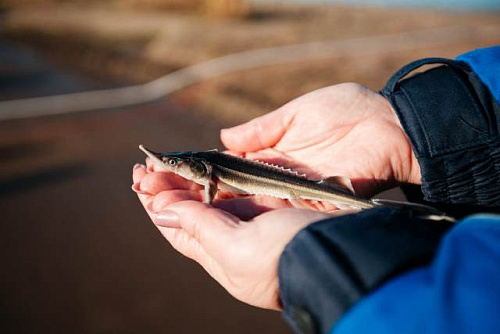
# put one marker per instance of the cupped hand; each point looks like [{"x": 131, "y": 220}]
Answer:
[
  {"x": 241, "y": 255},
  {"x": 340, "y": 130},
  {"x": 344, "y": 129}
]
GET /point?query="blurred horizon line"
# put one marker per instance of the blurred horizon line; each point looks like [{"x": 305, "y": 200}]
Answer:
[
  {"x": 431, "y": 4},
  {"x": 174, "y": 81}
]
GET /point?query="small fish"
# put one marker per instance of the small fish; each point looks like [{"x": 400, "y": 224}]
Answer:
[{"x": 219, "y": 171}]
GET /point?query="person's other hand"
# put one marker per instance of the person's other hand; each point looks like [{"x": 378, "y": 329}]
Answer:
[
  {"x": 345, "y": 130},
  {"x": 241, "y": 255}
]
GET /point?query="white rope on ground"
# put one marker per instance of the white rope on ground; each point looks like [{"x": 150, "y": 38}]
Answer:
[{"x": 163, "y": 86}]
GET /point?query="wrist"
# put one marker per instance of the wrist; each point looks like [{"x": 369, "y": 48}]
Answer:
[
  {"x": 406, "y": 168},
  {"x": 450, "y": 118}
]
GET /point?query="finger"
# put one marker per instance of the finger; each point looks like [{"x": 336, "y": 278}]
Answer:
[
  {"x": 191, "y": 248},
  {"x": 208, "y": 225},
  {"x": 150, "y": 165},
  {"x": 145, "y": 198},
  {"x": 147, "y": 202},
  {"x": 246, "y": 208},
  {"x": 261, "y": 132},
  {"x": 138, "y": 172},
  {"x": 166, "y": 198},
  {"x": 136, "y": 187},
  {"x": 184, "y": 244},
  {"x": 289, "y": 216},
  {"x": 321, "y": 206},
  {"x": 235, "y": 153}
]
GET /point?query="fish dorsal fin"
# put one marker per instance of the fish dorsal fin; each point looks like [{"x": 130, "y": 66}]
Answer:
[{"x": 339, "y": 182}]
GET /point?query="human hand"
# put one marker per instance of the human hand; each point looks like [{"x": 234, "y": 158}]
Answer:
[
  {"x": 241, "y": 255},
  {"x": 341, "y": 130},
  {"x": 344, "y": 129}
]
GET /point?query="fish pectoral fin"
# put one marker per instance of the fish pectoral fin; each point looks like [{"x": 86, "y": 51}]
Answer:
[
  {"x": 210, "y": 191},
  {"x": 341, "y": 182},
  {"x": 298, "y": 203}
]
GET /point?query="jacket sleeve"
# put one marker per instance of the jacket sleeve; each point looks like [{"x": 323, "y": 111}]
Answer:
[
  {"x": 457, "y": 293},
  {"x": 332, "y": 264},
  {"x": 451, "y": 116}
]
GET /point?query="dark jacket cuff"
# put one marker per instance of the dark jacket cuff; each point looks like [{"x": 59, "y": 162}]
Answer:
[
  {"x": 330, "y": 265},
  {"x": 451, "y": 120}
]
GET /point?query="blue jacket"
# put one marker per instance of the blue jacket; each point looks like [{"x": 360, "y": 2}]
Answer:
[{"x": 387, "y": 271}]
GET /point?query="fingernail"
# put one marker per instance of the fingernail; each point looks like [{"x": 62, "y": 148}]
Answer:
[
  {"x": 167, "y": 218},
  {"x": 136, "y": 187},
  {"x": 136, "y": 166}
]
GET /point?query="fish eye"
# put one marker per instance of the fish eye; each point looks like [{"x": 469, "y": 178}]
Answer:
[{"x": 170, "y": 161}]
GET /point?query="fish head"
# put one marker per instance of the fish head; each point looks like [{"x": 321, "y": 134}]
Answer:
[{"x": 184, "y": 164}]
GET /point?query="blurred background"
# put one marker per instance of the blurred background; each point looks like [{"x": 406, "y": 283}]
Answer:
[{"x": 77, "y": 252}]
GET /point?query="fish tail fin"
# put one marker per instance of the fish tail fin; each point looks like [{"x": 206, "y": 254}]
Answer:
[{"x": 425, "y": 211}]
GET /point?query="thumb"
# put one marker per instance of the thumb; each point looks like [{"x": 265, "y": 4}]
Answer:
[{"x": 260, "y": 133}]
